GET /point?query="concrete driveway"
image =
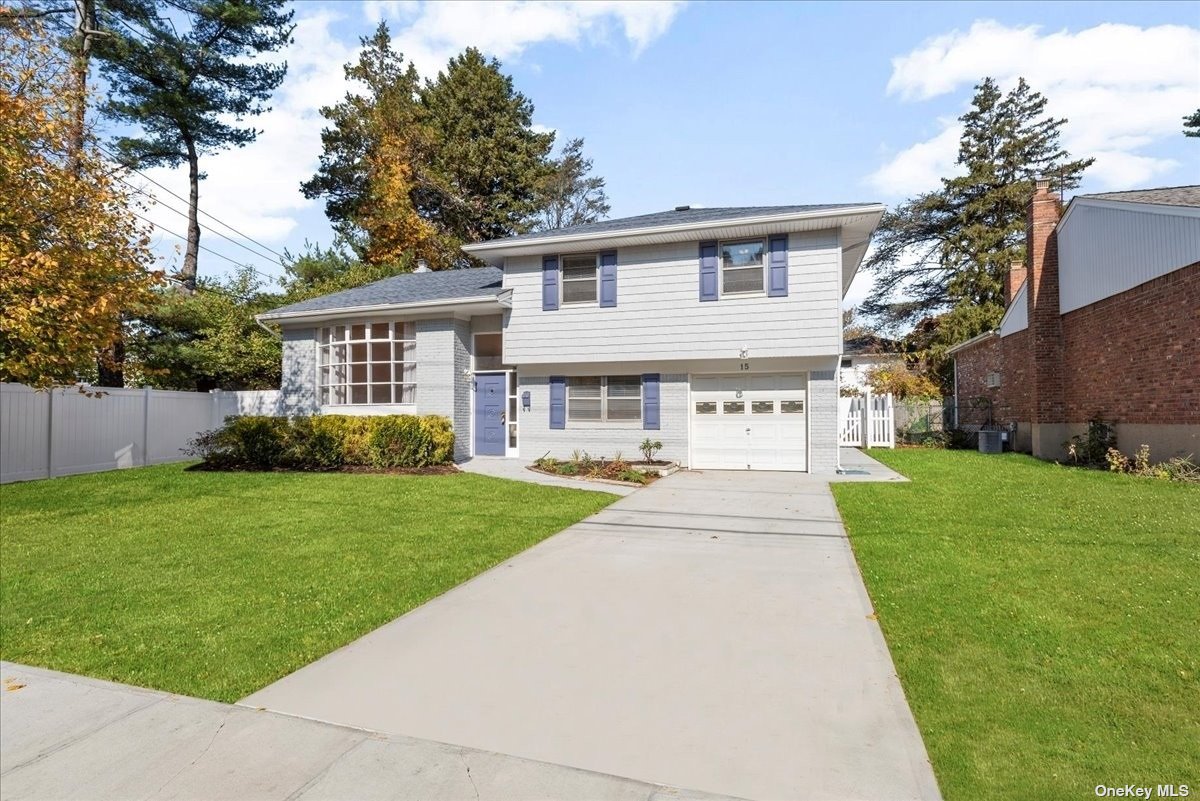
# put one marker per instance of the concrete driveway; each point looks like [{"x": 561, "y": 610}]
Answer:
[{"x": 711, "y": 631}]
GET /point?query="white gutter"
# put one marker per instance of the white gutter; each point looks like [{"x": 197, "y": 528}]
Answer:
[
  {"x": 501, "y": 300},
  {"x": 972, "y": 341},
  {"x": 678, "y": 228}
]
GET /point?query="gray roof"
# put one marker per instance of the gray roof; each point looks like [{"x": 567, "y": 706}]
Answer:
[
  {"x": 683, "y": 217},
  {"x": 480, "y": 282},
  {"x": 1164, "y": 196}
]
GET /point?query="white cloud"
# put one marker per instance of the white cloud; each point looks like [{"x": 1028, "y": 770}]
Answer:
[
  {"x": 1121, "y": 87},
  {"x": 434, "y": 32},
  {"x": 256, "y": 188}
]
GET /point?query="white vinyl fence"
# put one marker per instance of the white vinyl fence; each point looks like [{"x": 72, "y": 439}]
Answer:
[
  {"x": 867, "y": 421},
  {"x": 63, "y": 431}
]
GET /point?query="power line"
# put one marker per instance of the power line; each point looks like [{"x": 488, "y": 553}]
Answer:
[
  {"x": 114, "y": 156},
  {"x": 184, "y": 238},
  {"x": 216, "y": 233}
]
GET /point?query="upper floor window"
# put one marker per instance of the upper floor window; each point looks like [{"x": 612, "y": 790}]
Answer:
[
  {"x": 367, "y": 363},
  {"x": 604, "y": 398},
  {"x": 742, "y": 266},
  {"x": 579, "y": 278}
]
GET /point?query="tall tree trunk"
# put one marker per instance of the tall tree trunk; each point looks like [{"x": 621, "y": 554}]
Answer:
[
  {"x": 85, "y": 23},
  {"x": 188, "y": 273},
  {"x": 110, "y": 367}
]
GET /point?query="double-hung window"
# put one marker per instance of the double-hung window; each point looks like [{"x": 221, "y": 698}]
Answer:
[
  {"x": 742, "y": 266},
  {"x": 367, "y": 363},
  {"x": 604, "y": 399},
  {"x": 580, "y": 278}
]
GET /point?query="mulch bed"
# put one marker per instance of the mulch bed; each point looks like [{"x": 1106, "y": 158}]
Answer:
[{"x": 432, "y": 470}]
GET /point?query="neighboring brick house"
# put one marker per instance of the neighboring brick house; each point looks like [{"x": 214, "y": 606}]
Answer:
[{"x": 1102, "y": 322}]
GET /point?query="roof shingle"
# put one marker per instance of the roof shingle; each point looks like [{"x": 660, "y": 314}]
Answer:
[
  {"x": 1163, "y": 196},
  {"x": 480, "y": 282}
]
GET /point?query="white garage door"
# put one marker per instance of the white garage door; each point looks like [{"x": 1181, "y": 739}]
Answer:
[{"x": 750, "y": 422}]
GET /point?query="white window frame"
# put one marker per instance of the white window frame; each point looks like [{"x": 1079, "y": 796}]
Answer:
[
  {"x": 604, "y": 399},
  {"x": 762, "y": 268},
  {"x": 401, "y": 336},
  {"x": 562, "y": 279}
]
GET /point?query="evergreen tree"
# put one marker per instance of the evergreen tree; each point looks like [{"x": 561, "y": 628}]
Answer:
[
  {"x": 384, "y": 114},
  {"x": 487, "y": 162},
  {"x": 187, "y": 78},
  {"x": 570, "y": 195},
  {"x": 951, "y": 249},
  {"x": 1191, "y": 124}
]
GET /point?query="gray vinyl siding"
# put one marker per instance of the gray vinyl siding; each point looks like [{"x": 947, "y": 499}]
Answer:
[
  {"x": 659, "y": 314},
  {"x": 537, "y": 439}
]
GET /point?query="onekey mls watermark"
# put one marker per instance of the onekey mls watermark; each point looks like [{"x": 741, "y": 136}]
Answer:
[{"x": 1143, "y": 791}]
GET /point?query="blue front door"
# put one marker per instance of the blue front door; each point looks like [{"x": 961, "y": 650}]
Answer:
[{"x": 491, "y": 396}]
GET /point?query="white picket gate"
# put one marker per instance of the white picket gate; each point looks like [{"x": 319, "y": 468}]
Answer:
[
  {"x": 63, "y": 431},
  {"x": 867, "y": 421}
]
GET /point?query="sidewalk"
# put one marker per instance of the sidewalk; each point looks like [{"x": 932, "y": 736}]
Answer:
[{"x": 65, "y": 736}]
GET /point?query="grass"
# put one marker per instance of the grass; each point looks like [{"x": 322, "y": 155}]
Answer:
[
  {"x": 1044, "y": 620},
  {"x": 216, "y": 584}
]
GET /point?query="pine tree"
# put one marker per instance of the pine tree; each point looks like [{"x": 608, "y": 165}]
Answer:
[
  {"x": 570, "y": 195},
  {"x": 487, "y": 163},
  {"x": 186, "y": 79},
  {"x": 951, "y": 249},
  {"x": 385, "y": 114},
  {"x": 1191, "y": 124}
]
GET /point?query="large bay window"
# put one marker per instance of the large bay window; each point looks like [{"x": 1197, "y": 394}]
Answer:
[
  {"x": 613, "y": 398},
  {"x": 367, "y": 363}
]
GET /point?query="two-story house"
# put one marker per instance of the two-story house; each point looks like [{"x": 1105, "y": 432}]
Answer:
[{"x": 716, "y": 331}]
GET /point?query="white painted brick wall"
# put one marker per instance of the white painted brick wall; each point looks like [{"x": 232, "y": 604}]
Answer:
[
  {"x": 822, "y": 421},
  {"x": 443, "y": 388},
  {"x": 536, "y": 438},
  {"x": 298, "y": 384}
]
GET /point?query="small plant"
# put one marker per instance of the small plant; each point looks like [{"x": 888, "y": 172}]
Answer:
[
  {"x": 1092, "y": 448},
  {"x": 1117, "y": 461},
  {"x": 649, "y": 448},
  {"x": 632, "y": 476}
]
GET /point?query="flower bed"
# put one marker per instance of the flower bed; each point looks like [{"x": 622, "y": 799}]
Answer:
[{"x": 600, "y": 468}]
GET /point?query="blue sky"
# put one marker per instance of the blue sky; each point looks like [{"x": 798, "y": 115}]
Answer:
[{"x": 743, "y": 103}]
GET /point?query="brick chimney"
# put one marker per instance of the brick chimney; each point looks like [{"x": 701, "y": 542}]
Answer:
[
  {"x": 1049, "y": 427},
  {"x": 1012, "y": 281}
]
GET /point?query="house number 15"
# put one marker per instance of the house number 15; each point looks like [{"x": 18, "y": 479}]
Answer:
[{"x": 745, "y": 366}]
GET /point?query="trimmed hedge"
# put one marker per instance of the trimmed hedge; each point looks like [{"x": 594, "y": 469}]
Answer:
[{"x": 326, "y": 442}]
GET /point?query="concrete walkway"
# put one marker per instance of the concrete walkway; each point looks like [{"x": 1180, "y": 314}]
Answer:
[
  {"x": 68, "y": 737},
  {"x": 709, "y": 631},
  {"x": 518, "y": 470}
]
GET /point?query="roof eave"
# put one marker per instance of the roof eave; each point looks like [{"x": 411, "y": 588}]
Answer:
[
  {"x": 975, "y": 340},
  {"x": 502, "y": 247},
  {"x": 476, "y": 305}
]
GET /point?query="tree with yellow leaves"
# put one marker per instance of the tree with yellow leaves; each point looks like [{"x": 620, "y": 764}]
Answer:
[{"x": 72, "y": 252}]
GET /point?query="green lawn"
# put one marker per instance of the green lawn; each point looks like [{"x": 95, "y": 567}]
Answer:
[
  {"x": 216, "y": 584},
  {"x": 1044, "y": 620}
]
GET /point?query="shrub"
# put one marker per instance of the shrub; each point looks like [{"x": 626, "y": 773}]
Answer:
[
  {"x": 649, "y": 448},
  {"x": 629, "y": 474},
  {"x": 326, "y": 442}
]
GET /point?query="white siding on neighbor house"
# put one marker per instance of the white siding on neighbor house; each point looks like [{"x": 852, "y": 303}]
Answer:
[
  {"x": 659, "y": 314},
  {"x": 1016, "y": 316},
  {"x": 1107, "y": 248}
]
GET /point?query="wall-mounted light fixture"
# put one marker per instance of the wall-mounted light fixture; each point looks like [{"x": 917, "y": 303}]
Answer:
[{"x": 525, "y": 402}]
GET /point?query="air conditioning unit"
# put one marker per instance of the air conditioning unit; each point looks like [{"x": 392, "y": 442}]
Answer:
[{"x": 991, "y": 442}]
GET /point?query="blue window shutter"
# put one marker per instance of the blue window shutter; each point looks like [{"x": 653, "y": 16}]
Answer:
[
  {"x": 549, "y": 283},
  {"x": 650, "y": 403},
  {"x": 777, "y": 267},
  {"x": 608, "y": 279},
  {"x": 558, "y": 402},
  {"x": 708, "y": 271}
]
